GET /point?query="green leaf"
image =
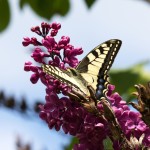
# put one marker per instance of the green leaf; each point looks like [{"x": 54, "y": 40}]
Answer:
[
  {"x": 74, "y": 140},
  {"x": 89, "y": 3},
  {"x": 125, "y": 79},
  {"x": 22, "y": 3},
  {"x": 4, "y": 14},
  {"x": 47, "y": 8},
  {"x": 108, "y": 145}
]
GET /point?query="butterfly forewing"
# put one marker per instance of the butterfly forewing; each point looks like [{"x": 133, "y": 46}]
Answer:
[
  {"x": 95, "y": 66},
  {"x": 57, "y": 73},
  {"x": 68, "y": 77}
]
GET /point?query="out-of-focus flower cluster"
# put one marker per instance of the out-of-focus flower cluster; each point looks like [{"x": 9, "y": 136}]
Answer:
[{"x": 64, "y": 112}]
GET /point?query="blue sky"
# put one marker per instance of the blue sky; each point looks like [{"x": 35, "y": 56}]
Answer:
[{"x": 127, "y": 20}]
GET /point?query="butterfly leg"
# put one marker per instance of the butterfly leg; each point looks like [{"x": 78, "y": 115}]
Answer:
[
  {"x": 87, "y": 102},
  {"x": 91, "y": 104},
  {"x": 92, "y": 94},
  {"x": 73, "y": 96},
  {"x": 77, "y": 95}
]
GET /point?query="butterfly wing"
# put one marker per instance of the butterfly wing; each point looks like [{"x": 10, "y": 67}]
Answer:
[
  {"x": 96, "y": 64},
  {"x": 70, "y": 77}
]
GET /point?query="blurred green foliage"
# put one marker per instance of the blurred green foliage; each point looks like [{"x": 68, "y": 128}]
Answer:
[
  {"x": 4, "y": 14},
  {"x": 89, "y": 3},
  {"x": 70, "y": 146},
  {"x": 43, "y": 8},
  {"x": 47, "y": 8},
  {"x": 125, "y": 79},
  {"x": 108, "y": 145}
]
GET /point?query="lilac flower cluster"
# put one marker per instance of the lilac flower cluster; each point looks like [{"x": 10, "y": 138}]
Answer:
[
  {"x": 53, "y": 50},
  {"x": 64, "y": 113},
  {"x": 130, "y": 121}
]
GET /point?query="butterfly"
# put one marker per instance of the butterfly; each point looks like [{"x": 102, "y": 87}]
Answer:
[{"x": 91, "y": 72}]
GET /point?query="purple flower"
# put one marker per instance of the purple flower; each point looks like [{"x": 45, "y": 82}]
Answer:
[
  {"x": 63, "y": 41},
  {"x": 146, "y": 140},
  {"x": 50, "y": 43},
  {"x": 45, "y": 28},
  {"x": 27, "y": 41},
  {"x": 56, "y": 26},
  {"x": 131, "y": 122},
  {"x": 36, "y": 30},
  {"x": 27, "y": 66},
  {"x": 70, "y": 55},
  {"x": 38, "y": 55},
  {"x": 34, "y": 78}
]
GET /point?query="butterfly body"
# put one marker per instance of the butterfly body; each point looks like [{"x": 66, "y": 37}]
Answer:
[{"x": 91, "y": 71}]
